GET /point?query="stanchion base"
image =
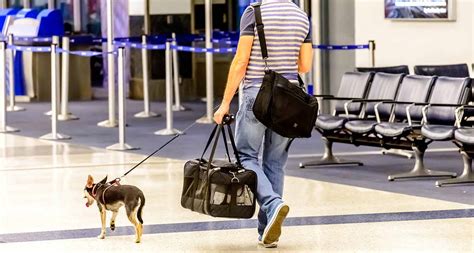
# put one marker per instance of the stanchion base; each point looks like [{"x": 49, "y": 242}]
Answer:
[
  {"x": 147, "y": 115},
  {"x": 53, "y": 137},
  {"x": 67, "y": 117},
  {"x": 205, "y": 120},
  {"x": 108, "y": 124},
  {"x": 9, "y": 130},
  {"x": 180, "y": 108},
  {"x": 15, "y": 109},
  {"x": 168, "y": 132},
  {"x": 121, "y": 147},
  {"x": 48, "y": 113}
]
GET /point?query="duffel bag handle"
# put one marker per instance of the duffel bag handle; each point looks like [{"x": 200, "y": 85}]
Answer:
[{"x": 228, "y": 119}]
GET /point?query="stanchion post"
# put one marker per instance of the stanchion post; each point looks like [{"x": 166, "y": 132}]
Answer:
[
  {"x": 372, "y": 48},
  {"x": 65, "y": 114},
  {"x": 146, "y": 84},
  {"x": 169, "y": 96},
  {"x": 177, "y": 96},
  {"x": 54, "y": 135},
  {"x": 112, "y": 121},
  {"x": 121, "y": 145},
  {"x": 12, "y": 107},
  {"x": 3, "y": 92},
  {"x": 209, "y": 67}
]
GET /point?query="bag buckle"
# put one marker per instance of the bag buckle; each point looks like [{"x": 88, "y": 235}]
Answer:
[
  {"x": 234, "y": 180},
  {"x": 266, "y": 64}
]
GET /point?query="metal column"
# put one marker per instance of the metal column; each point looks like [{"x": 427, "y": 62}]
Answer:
[
  {"x": 146, "y": 113},
  {"x": 54, "y": 135},
  {"x": 169, "y": 130},
  {"x": 11, "y": 77},
  {"x": 372, "y": 49},
  {"x": 317, "y": 66},
  {"x": 26, "y": 4},
  {"x": 121, "y": 145},
  {"x": 65, "y": 114},
  {"x": 209, "y": 67},
  {"x": 177, "y": 96},
  {"x": 3, "y": 91},
  {"x": 51, "y": 4},
  {"x": 112, "y": 121},
  {"x": 77, "y": 15}
]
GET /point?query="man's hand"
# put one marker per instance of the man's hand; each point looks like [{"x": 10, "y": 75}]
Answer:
[{"x": 220, "y": 113}]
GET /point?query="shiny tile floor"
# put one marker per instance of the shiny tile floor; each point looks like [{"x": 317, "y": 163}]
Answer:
[{"x": 43, "y": 210}]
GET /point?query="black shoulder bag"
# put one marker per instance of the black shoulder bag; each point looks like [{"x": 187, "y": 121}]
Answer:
[{"x": 281, "y": 105}]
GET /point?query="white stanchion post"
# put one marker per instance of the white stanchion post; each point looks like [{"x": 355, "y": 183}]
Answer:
[
  {"x": 54, "y": 135},
  {"x": 65, "y": 114},
  {"x": 372, "y": 52},
  {"x": 146, "y": 84},
  {"x": 121, "y": 145},
  {"x": 55, "y": 40},
  {"x": 77, "y": 15},
  {"x": 3, "y": 92},
  {"x": 51, "y": 4},
  {"x": 112, "y": 121},
  {"x": 169, "y": 130},
  {"x": 317, "y": 66},
  {"x": 209, "y": 68},
  {"x": 12, "y": 107},
  {"x": 177, "y": 96}
]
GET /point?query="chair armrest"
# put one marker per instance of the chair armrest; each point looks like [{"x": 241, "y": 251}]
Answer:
[
  {"x": 323, "y": 96},
  {"x": 399, "y": 102},
  {"x": 339, "y": 98},
  {"x": 458, "y": 113},
  {"x": 362, "y": 101}
]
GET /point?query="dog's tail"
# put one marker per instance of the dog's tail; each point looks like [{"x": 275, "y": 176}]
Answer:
[{"x": 140, "y": 208}]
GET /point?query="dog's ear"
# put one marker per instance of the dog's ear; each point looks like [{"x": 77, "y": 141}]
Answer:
[
  {"x": 103, "y": 181},
  {"x": 90, "y": 181}
]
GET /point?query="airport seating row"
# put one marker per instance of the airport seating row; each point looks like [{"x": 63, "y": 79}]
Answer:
[
  {"x": 451, "y": 70},
  {"x": 398, "y": 111}
]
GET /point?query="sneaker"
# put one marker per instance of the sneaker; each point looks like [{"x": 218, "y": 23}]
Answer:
[
  {"x": 273, "y": 230},
  {"x": 268, "y": 246}
]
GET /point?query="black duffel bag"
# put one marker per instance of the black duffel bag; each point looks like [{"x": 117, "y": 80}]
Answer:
[
  {"x": 284, "y": 107},
  {"x": 219, "y": 188}
]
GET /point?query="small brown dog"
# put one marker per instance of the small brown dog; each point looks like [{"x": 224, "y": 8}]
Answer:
[{"x": 113, "y": 196}]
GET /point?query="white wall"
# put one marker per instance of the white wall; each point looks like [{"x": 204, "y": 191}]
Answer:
[
  {"x": 157, "y": 7},
  {"x": 415, "y": 42}
]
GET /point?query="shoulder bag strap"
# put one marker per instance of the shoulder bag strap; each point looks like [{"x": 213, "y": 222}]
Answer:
[{"x": 260, "y": 30}]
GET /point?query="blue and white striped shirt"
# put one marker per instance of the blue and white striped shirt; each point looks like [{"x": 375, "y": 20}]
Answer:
[{"x": 286, "y": 29}]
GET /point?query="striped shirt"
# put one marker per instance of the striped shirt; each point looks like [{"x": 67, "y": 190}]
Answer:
[{"x": 286, "y": 29}]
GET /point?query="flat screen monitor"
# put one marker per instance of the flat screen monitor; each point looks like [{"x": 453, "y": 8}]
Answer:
[{"x": 420, "y": 9}]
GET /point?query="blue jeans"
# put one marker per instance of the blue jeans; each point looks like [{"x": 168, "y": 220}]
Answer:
[{"x": 250, "y": 135}]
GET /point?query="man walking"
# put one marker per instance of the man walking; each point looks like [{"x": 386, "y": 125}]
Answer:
[{"x": 287, "y": 33}]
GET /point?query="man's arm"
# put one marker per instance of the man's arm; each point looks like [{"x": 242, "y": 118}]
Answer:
[
  {"x": 236, "y": 74},
  {"x": 305, "y": 60}
]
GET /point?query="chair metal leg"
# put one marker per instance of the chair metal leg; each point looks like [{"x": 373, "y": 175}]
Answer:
[
  {"x": 467, "y": 177},
  {"x": 329, "y": 158},
  {"x": 419, "y": 170},
  {"x": 397, "y": 152}
]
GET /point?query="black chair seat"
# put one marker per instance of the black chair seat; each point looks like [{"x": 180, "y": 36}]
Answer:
[
  {"x": 388, "y": 129},
  {"x": 361, "y": 126},
  {"x": 438, "y": 132},
  {"x": 330, "y": 122},
  {"x": 465, "y": 135}
]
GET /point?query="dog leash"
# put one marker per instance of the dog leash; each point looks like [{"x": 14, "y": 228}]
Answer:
[{"x": 228, "y": 119}]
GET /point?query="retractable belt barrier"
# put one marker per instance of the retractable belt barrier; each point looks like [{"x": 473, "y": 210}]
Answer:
[{"x": 225, "y": 45}]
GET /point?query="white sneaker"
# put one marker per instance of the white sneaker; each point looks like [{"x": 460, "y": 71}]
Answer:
[{"x": 272, "y": 232}]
